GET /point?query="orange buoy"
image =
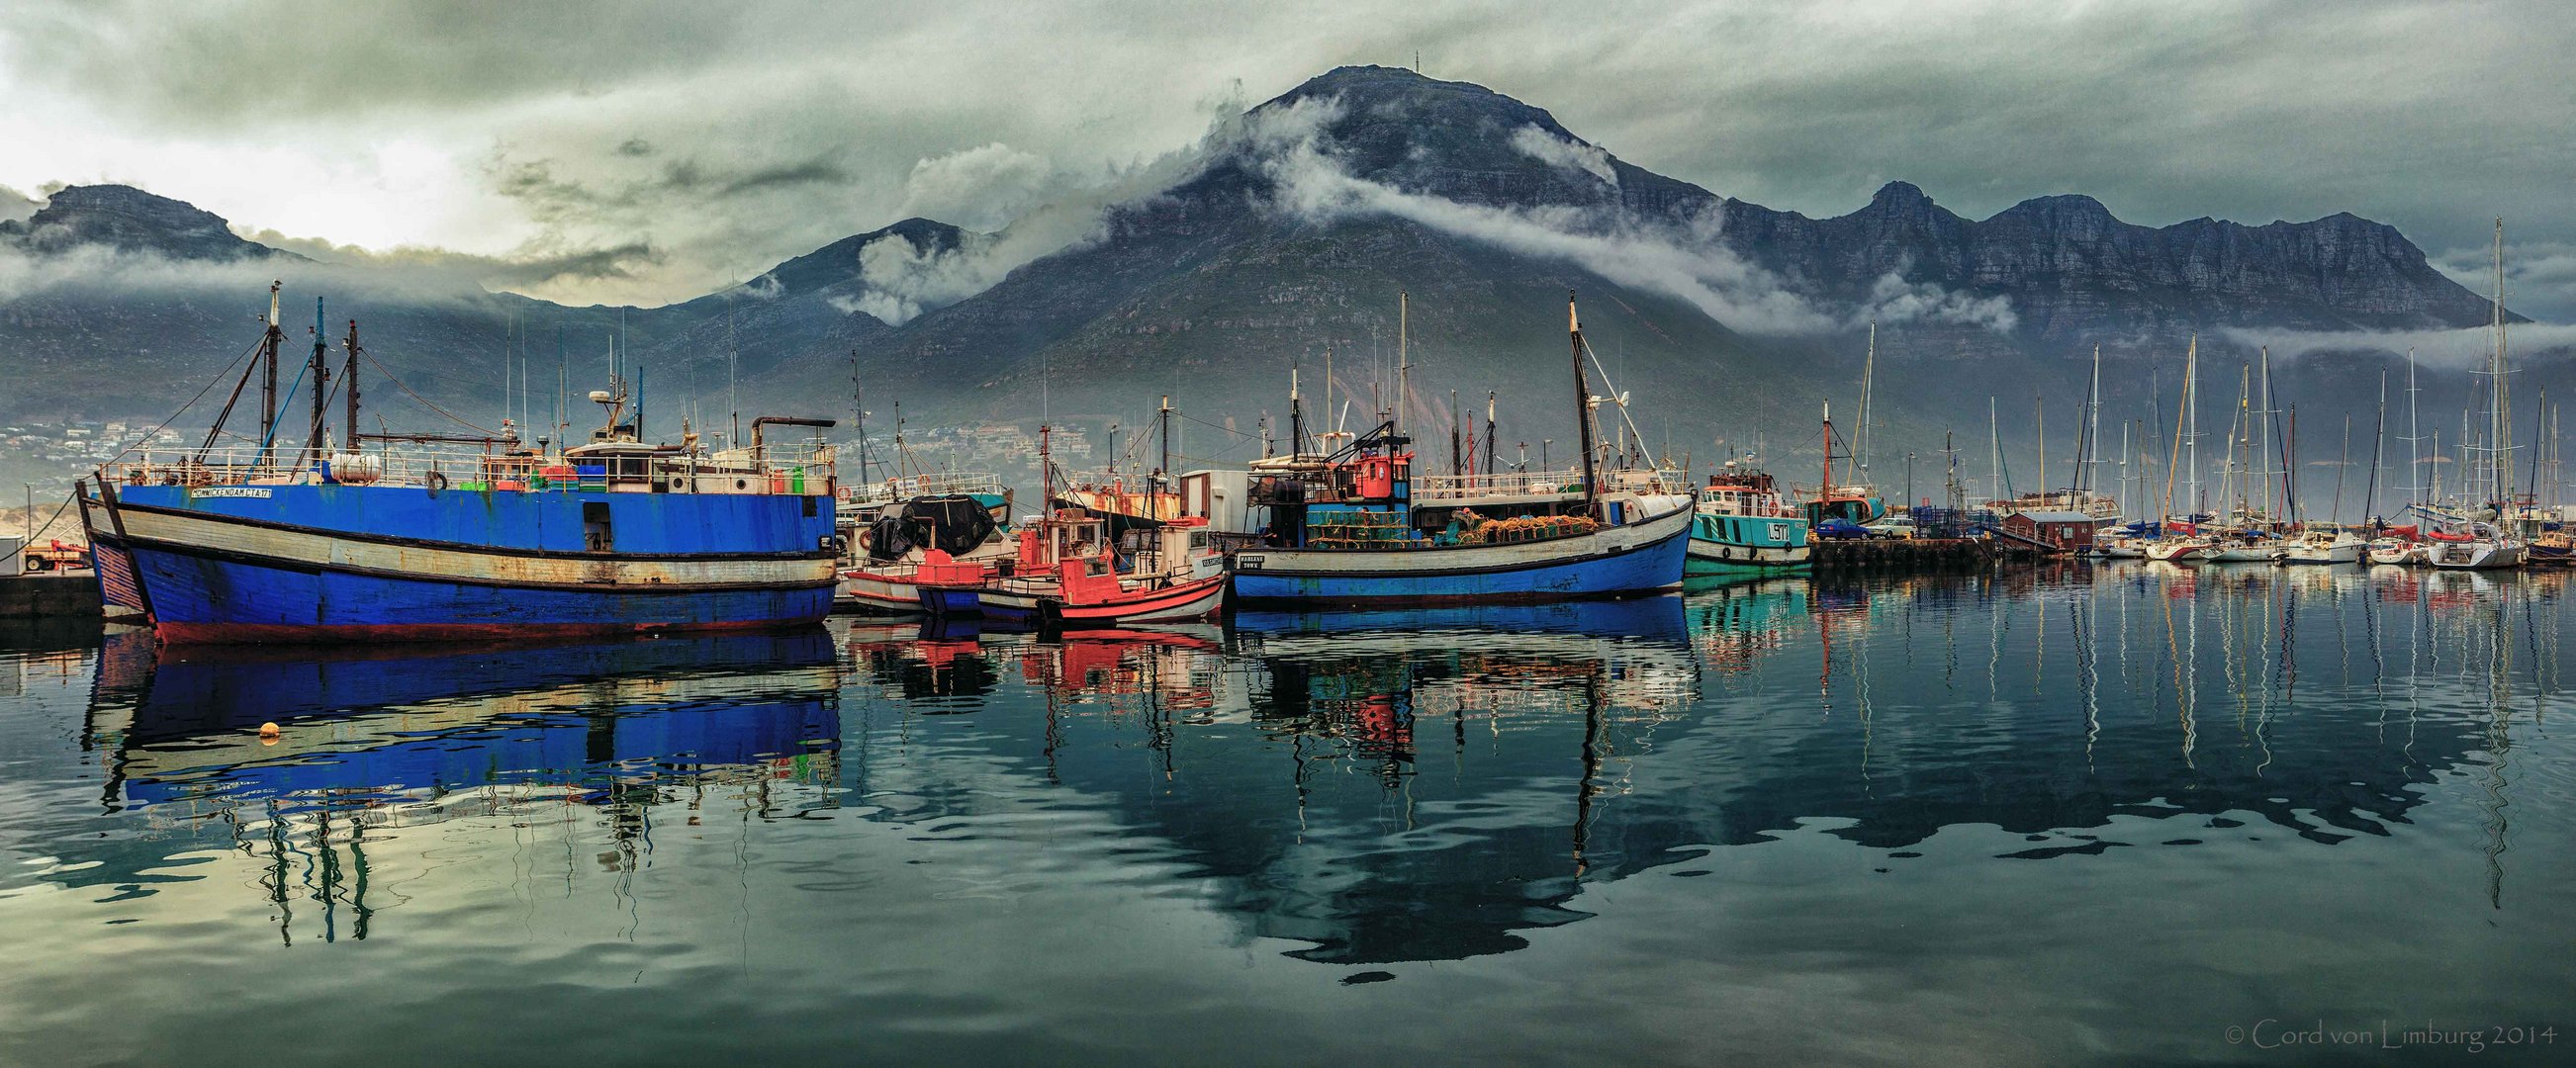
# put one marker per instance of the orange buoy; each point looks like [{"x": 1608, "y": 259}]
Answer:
[{"x": 268, "y": 733}]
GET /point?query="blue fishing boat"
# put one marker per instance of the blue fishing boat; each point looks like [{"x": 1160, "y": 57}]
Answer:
[
  {"x": 1356, "y": 529},
  {"x": 438, "y": 537}
]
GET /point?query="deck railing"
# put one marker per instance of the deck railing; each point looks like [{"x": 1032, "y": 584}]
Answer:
[
  {"x": 785, "y": 468},
  {"x": 1539, "y": 483},
  {"x": 1498, "y": 484},
  {"x": 935, "y": 484}
]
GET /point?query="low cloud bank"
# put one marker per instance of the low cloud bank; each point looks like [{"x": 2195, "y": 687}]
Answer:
[
  {"x": 1684, "y": 260},
  {"x": 2445, "y": 349}
]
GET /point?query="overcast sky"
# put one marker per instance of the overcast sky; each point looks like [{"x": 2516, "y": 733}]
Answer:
[{"x": 670, "y": 147}]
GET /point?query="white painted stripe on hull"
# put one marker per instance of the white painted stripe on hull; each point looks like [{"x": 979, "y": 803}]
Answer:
[
  {"x": 295, "y": 548},
  {"x": 1503, "y": 557}
]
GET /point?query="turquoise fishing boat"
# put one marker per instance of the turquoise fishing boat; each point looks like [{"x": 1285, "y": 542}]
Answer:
[{"x": 1741, "y": 526}]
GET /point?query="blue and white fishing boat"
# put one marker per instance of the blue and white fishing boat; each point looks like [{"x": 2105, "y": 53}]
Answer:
[
  {"x": 1357, "y": 529},
  {"x": 430, "y": 537}
]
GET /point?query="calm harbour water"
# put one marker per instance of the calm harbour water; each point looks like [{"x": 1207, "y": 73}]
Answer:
[{"x": 2066, "y": 817}]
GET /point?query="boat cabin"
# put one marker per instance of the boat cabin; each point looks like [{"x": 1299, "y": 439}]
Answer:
[
  {"x": 1741, "y": 491},
  {"x": 2066, "y": 531}
]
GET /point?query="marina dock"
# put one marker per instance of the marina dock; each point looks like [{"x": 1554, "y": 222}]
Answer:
[
  {"x": 71, "y": 595},
  {"x": 1917, "y": 554}
]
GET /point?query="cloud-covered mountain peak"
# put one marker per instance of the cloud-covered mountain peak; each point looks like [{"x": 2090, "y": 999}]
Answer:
[{"x": 127, "y": 219}]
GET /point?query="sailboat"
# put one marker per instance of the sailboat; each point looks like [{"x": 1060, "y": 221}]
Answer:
[
  {"x": 2489, "y": 543},
  {"x": 1854, "y": 503},
  {"x": 2330, "y": 543},
  {"x": 2182, "y": 543},
  {"x": 2397, "y": 546}
]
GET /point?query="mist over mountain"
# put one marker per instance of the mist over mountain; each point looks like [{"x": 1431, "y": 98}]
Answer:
[{"x": 1283, "y": 242}]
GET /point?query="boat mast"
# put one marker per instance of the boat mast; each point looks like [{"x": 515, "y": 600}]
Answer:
[
  {"x": 1457, "y": 425},
  {"x": 859, "y": 415},
  {"x": 1163, "y": 471},
  {"x": 1403, "y": 358},
  {"x": 2499, "y": 441},
  {"x": 1583, "y": 401},
  {"x": 321, "y": 371},
  {"x": 2039, "y": 428},
  {"x": 2414, "y": 440},
  {"x": 2378, "y": 453},
  {"x": 1994, "y": 454},
  {"x": 2196, "y": 503},
  {"x": 2123, "y": 502},
  {"x": 2174, "y": 447},
  {"x": 1296, "y": 422},
  {"x": 1868, "y": 365},
  {"x": 2091, "y": 444},
  {"x": 268, "y": 346},
  {"x": 2262, "y": 441},
  {"x": 1490, "y": 463},
  {"x": 349, "y": 381},
  {"x": 1827, "y": 489}
]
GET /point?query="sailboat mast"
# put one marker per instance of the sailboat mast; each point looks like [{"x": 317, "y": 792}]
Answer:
[
  {"x": 2378, "y": 453},
  {"x": 2039, "y": 426},
  {"x": 2414, "y": 439},
  {"x": 1994, "y": 453},
  {"x": 1868, "y": 369},
  {"x": 2084, "y": 458},
  {"x": 2497, "y": 440},
  {"x": 2263, "y": 443},
  {"x": 2192, "y": 504},
  {"x": 2124, "y": 468}
]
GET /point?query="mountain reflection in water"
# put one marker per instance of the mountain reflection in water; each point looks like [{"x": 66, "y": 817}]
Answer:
[{"x": 1384, "y": 790}]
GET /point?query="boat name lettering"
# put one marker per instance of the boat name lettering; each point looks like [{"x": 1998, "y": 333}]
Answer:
[
  {"x": 232, "y": 491},
  {"x": 1247, "y": 563}
]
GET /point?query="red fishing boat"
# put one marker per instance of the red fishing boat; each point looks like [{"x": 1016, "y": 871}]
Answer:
[{"x": 1071, "y": 573}]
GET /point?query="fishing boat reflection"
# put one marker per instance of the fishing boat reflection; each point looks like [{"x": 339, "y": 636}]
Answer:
[
  {"x": 1387, "y": 786},
  {"x": 367, "y": 741}
]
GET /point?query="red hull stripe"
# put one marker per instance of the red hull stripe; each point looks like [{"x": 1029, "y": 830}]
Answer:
[
  {"x": 1444, "y": 600},
  {"x": 1177, "y": 597}
]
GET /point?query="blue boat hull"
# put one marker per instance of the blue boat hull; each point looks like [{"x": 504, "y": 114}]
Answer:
[
  {"x": 339, "y": 563},
  {"x": 198, "y": 599},
  {"x": 1651, "y": 567}
]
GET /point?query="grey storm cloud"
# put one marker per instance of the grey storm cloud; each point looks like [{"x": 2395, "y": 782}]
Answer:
[{"x": 728, "y": 137}]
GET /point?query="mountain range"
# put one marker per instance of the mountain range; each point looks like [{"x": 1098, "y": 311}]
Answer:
[{"x": 1284, "y": 243}]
